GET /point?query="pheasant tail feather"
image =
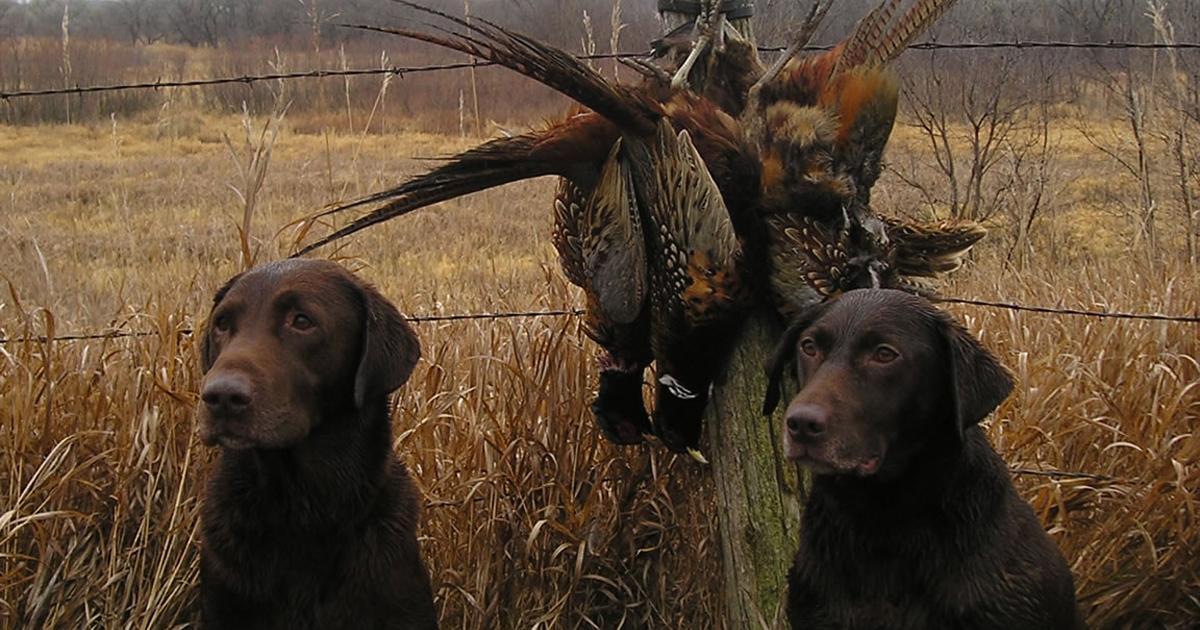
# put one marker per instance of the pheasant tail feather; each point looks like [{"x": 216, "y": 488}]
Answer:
[
  {"x": 562, "y": 149},
  {"x": 917, "y": 20},
  {"x": 545, "y": 64},
  {"x": 866, "y": 36}
]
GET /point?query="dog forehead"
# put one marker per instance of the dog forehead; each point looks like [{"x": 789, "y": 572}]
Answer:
[
  {"x": 293, "y": 268},
  {"x": 322, "y": 280},
  {"x": 886, "y": 312}
]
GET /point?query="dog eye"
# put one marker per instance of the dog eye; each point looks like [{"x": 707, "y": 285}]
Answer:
[
  {"x": 885, "y": 354},
  {"x": 809, "y": 347},
  {"x": 300, "y": 321}
]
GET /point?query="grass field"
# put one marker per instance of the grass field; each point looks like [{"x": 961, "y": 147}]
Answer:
[{"x": 532, "y": 520}]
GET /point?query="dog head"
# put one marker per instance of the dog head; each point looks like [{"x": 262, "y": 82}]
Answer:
[
  {"x": 292, "y": 344},
  {"x": 882, "y": 373}
]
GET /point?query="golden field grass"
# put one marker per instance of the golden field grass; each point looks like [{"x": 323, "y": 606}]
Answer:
[{"x": 531, "y": 519}]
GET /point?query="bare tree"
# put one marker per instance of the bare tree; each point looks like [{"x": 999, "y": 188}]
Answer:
[
  {"x": 1035, "y": 181},
  {"x": 968, "y": 117},
  {"x": 6, "y": 7},
  {"x": 1181, "y": 116},
  {"x": 1126, "y": 78},
  {"x": 139, "y": 20},
  {"x": 200, "y": 22}
]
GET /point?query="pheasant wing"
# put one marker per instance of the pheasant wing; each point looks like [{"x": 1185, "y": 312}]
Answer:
[
  {"x": 611, "y": 242},
  {"x": 690, "y": 231},
  {"x": 569, "y": 202},
  {"x": 929, "y": 250},
  {"x": 810, "y": 263}
]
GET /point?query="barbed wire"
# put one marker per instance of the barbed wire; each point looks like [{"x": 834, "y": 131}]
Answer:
[
  {"x": 1021, "y": 45},
  {"x": 158, "y": 84},
  {"x": 576, "y": 312},
  {"x": 1012, "y": 306},
  {"x": 573, "y": 312},
  {"x": 451, "y": 317},
  {"x": 400, "y": 71},
  {"x": 1062, "y": 474}
]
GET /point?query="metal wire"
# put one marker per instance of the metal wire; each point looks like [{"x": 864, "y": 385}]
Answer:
[
  {"x": 279, "y": 76},
  {"x": 575, "y": 312},
  {"x": 403, "y": 70},
  {"x": 1012, "y": 306},
  {"x": 1020, "y": 45},
  {"x": 453, "y": 317},
  {"x": 1063, "y": 474}
]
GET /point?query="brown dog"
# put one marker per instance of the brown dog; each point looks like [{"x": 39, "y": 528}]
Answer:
[
  {"x": 913, "y": 521},
  {"x": 309, "y": 519}
]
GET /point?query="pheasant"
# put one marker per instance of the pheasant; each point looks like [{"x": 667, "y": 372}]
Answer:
[
  {"x": 676, "y": 209},
  {"x": 823, "y": 123},
  {"x": 695, "y": 279},
  {"x": 599, "y": 238}
]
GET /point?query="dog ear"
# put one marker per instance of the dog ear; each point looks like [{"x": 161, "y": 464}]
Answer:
[
  {"x": 208, "y": 353},
  {"x": 978, "y": 383},
  {"x": 785, "y": 355},
  {"x": 390, "y": 348}
]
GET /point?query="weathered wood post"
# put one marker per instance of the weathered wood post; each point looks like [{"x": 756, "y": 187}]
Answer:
[{"x": 758, "y": 491}]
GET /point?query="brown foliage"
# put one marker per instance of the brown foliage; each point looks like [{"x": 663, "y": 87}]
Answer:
[{"x": 531, "y": 518}]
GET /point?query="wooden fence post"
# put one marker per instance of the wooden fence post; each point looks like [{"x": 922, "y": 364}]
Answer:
[{"x": 758, "y": 491}]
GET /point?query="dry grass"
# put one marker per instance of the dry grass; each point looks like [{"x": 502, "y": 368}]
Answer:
[
  {"x": 35, "y": 63},
  {"x": 532, "y": 520}
]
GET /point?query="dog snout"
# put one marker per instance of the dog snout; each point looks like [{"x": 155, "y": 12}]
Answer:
[
  {"x": 807, "y": 423},
  {"x": 227, "y": 394}
]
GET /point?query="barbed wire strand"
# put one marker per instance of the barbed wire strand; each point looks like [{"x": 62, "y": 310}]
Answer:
[
  {"x": 402, "y": 70},
  {"x": 576, "y": 312},
  {"x": 452, "y": 317},
  {"x": 562, "y": 312},
  {"x": 1019, "y": 45},
  {"x": 1063, "y": 474},
  {"x": 1012, "y": 306},
  {"x": 159, "y": 84}
]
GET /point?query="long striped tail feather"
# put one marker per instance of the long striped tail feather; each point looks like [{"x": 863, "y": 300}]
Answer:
[
  {"x": 545, "y": 64},
  {"x": 442, "y": 184},
  {"x": 879, "y": 37},
  {"x": 571, "y": 148}
]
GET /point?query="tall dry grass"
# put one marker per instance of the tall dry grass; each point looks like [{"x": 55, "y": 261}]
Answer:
[
  {"x": 531, "y": 519},
  {"x": 1118, "y": 400}
]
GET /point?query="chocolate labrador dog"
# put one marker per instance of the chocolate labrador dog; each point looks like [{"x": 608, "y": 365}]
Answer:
[
  {"x": 309, "y": 519},
  {"x": 913, "y": 521}
]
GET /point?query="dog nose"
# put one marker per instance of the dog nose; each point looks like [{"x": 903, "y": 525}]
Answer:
[
  {"x": 807, "y": 422},
  {"x": 226, "y": 394}
]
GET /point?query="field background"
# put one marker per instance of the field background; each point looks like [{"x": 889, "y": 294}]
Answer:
[{"x": 128, "y": 217}]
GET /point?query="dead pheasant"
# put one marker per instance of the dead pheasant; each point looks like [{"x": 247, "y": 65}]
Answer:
[
  {"x": 600, "y": 243},
  {"x": 674, "y": 206},
  {"x": 822, "y": 124},
  {"x": 695, "y": 279}
]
